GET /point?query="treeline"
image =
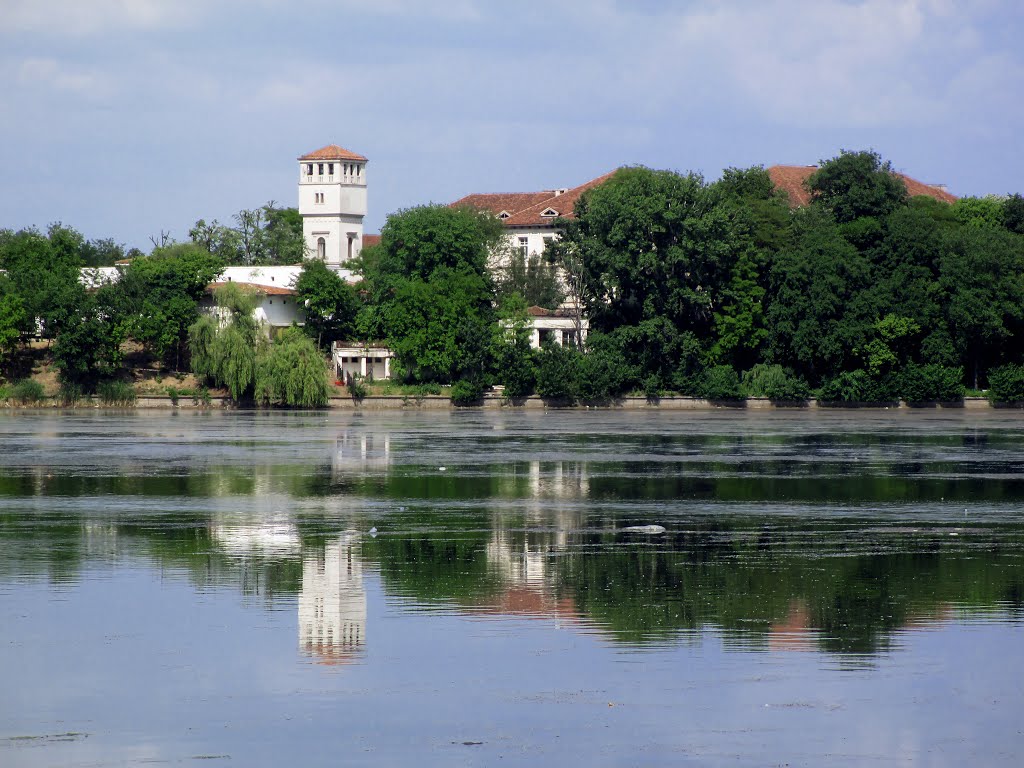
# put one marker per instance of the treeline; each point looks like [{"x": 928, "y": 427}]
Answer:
[
  {"x": 719, "y": 290},
  {"x": 156, "y": 302}
]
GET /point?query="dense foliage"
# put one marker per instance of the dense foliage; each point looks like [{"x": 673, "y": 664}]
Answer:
[{"x": 719, "y": 290}]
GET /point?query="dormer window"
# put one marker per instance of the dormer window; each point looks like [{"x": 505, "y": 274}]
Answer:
[
  {"x": 504, "y": 215},
  {"x": 549, "y": 213}
]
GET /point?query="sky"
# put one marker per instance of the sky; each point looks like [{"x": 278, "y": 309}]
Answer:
[{"x": 128, "y": 118}]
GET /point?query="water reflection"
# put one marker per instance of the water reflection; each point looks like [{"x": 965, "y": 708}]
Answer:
[{"x": 332, "y": 602}]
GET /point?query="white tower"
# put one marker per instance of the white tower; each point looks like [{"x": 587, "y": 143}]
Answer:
[{"x": 332, "y": 202}]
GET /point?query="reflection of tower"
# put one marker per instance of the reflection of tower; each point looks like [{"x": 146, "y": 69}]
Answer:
[
  {"x": 361, "y": 451},
  {"x": 332, "y": 603}
]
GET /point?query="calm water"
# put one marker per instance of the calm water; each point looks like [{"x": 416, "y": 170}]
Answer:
[{"x": 840, "y": 588}]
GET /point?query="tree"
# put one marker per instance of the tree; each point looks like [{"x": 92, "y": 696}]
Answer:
[
  {"x": 217, "y": 239},
  {"x": 820, "y": 310},
  {"x": 13, "y": 318},
  {"x": 291, "y": 372},
  {"x": 89, "y": 348},
  {"x": 1013, "y": 214},
  {"x": 979, "y": 211},
  {"x": 228, "y": 353},
  {"x": 983, "y": 296},
  {"x": 331, "y": 303},
  {"x": 857, "y": 184},
  {"x": 654, "y": 250},
  {"x": 44, "y": 272},
  {"x": 285, "y": 243},
  {"x": 533, "y": 278},
  {"x": 161, "y": 294},
  {"x": 430, "y": 294}
]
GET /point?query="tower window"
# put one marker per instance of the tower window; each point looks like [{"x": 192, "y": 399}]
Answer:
[
  {"x": 330, "y": 169},
  {"x": 309, "y": 169},
  {"x": 321, "y": 249},
  {"x": 320, "y": 168}
]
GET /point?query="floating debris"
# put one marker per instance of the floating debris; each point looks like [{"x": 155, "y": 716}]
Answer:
[{"x": 643, "y": 529}]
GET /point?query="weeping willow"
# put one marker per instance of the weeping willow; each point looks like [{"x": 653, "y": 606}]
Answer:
[
  {"x": 291, "y": 371},
  {"x": 231, "y": 350}
]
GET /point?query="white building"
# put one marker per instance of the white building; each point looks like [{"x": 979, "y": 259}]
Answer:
[
  {"x": 529, "y": 217},
  {"x": 332, "y": 202}
]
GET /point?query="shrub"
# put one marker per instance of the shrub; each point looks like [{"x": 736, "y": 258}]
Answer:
[
  {"x": 557, "y": 368},
  {"x": 69, "y": 394},
  {"x": 202, "y": 396},
  {"x": 518, "y": 373},
  {"x": 599, "y": 376},
  {"x": 27, "y": 392},
  {"x": 929, "y": 383},
  {"x": 1006, "y": 384},
  {"x": 172, "y": 392},
  {"x": 859, "y": 387},
  {"x": 115, "y": 393},
  {"x": 5, "y": 391},
  {"x": 720, "y": 383},
  {"x": 466, "y": 392},
  {"x": 652, "y": 387},
  {"x": 775, "y": 383},
  {"x": 357, "y": 388}
]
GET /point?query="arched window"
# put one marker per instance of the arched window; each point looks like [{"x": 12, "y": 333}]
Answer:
[{"x": 321, "y": 249}]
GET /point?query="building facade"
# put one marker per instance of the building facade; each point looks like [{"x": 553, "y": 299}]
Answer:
[{"x": 332, "y": 203}]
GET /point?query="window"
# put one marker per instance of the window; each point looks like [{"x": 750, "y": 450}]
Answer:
[
  {"x": 504, "y": 215},
  {"x": 524, "y": 246},
  {"x": 320, "y": 168},
  {"x": 309, "y": 169},
  {"x": 330, "y": 169},
  {"x": 549, "y": 213},
  {"x": 321, "y": 248}
]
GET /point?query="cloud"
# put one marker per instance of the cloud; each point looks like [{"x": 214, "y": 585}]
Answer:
[{"x": 51, "y": 74}]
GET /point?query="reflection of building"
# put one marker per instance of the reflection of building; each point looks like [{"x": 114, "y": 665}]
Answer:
[
  {"x": 359, "y": 450},
  {"x": 274, "y": 535},
  {"x": 332, "y": 603}
]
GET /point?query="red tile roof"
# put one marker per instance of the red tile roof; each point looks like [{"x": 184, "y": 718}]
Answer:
[
  {"x": 369, "y": 240},
  {"x": 792, "y": 179},
  {"x": 525, "y": 208},
  {"x": 332, "y": 152}
]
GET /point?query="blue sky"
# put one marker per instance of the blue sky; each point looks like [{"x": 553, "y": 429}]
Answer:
[{"x": 123, "y": 118}]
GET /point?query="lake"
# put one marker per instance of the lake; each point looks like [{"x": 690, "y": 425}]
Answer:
[{"x": 840, "y": 587}]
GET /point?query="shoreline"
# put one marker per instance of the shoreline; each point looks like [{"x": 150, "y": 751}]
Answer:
[{"x": 498, "y": 402}]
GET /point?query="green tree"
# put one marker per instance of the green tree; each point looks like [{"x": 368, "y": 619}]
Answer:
[
  {"x": 430, "y": 293},
  {"x": 1013, "y": 214},
  {"x": 227, "y": 349},
  {"x": 291, "y": 372},
  {"x": 983, "y": 296},
  {"x": 44, "y": 274},
  {"x": 285, "y": 243},
  {"x": 89, "y": 348},
  {"x": 13, "y": 318},
  {"x": 161, "y": 295},
  {"x": 854, "y": 185},
  {"x": 331, "y": 304},
  {"x": 533, "y": 278},
  {"x": 656, "y": 248},
  {"x": 979, "y": 211},
  {"x": 820, "y": 308}
]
